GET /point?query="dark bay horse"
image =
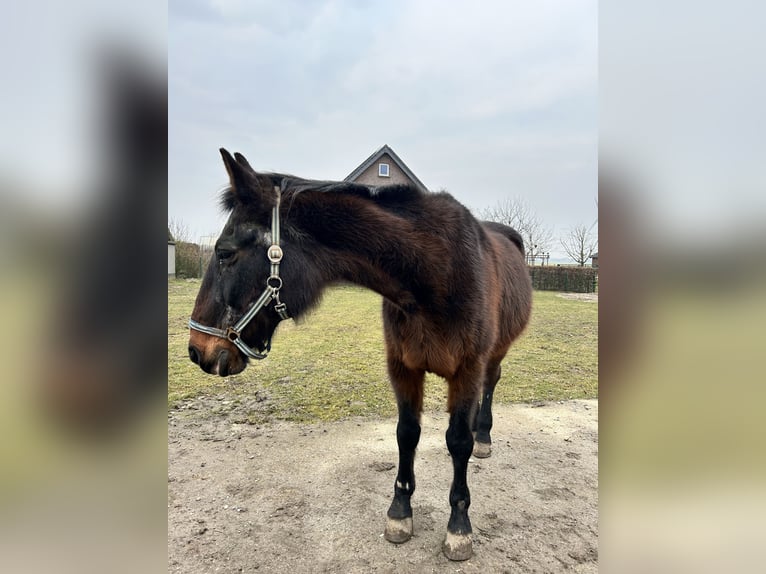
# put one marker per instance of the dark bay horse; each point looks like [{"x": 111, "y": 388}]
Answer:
[{"x": 456, "y": 293}]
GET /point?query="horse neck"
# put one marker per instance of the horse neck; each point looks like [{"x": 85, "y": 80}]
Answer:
[{"x": 358, "y": 241}]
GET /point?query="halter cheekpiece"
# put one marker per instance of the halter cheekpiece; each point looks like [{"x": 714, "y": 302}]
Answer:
[{"x": 270, "y": 293}]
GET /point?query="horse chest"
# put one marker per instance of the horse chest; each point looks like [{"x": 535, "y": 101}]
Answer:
[{"x": 431, "y": 350}]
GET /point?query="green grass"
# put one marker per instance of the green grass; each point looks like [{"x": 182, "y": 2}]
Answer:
[{"x": 332, "y": 364}]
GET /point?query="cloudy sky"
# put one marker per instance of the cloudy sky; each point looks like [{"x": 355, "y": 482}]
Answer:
[{"x": 489, "y": 100}]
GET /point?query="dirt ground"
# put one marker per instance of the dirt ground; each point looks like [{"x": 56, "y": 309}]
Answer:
[{"x": 300, "y": 498}]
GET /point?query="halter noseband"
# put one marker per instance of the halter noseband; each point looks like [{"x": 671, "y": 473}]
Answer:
[{"x": 271, "y": 293}]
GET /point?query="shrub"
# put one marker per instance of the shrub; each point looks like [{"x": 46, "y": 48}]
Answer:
[
  {"x": 191, "y": 261},
  {"x": 573, "y": 279}
]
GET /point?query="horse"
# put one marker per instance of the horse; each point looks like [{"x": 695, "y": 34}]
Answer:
[{"x": 456, "y": 293}]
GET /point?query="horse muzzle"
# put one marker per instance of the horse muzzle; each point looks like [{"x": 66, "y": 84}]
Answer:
[{"x": 216, "y": 356}]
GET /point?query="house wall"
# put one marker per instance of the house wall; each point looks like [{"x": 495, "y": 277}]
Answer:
[
  {"x": 171, "y": 260},
  {"x": 370, "y": 175}
]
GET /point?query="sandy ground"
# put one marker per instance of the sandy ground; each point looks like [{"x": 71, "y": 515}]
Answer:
[{"x": 312, "y": 498}]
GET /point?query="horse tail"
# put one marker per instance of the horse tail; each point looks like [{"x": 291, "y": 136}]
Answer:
[{"x": 508, "y": 232}]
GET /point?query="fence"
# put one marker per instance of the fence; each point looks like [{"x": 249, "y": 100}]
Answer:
[{"x": 573, "y": 279}]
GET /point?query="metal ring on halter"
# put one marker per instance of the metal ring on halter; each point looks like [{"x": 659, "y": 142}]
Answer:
[{"x": 278, "y": 284}]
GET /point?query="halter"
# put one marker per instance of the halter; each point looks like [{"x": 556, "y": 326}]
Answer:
[{"x": 271, "y": 293}]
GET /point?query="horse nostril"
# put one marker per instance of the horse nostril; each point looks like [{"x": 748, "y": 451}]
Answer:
[
  {"x": 223, "y": 363},
  {"x": 194, "y": 354}
]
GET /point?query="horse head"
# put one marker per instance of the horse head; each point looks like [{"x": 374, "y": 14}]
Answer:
[{"x": 244, "y": 272}]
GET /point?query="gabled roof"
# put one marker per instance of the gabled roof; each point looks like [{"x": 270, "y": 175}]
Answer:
[
  {"x": 171, "y": 241},
  {"x": 397, "y": 160}
]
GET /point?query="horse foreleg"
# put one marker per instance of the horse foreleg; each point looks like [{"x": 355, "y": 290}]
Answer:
[
  {"x": 408, "y": 386},
  {"x": 482, "y": 448},
  {"x": 463, "y": 392},
  {"x": 457, "y": 545}
]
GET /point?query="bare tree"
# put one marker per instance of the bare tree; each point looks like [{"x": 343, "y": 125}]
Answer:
[
  {"x": 580, "y": 244},
  {"x": 179, "y": 230},
  {"x": 516, "y": 213}
]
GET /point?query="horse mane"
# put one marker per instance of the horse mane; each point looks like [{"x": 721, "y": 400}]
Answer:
[
  {"x": 227, "y": 199},
  {"x": 291, "y": 186},
  {"x": 385, "y": 194}
]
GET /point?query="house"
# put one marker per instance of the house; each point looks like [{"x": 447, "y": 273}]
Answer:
[
  {"x": 594, "y": 260},
  {"x": 171, "y": 255},
  {"x": 384, "y": 167}
]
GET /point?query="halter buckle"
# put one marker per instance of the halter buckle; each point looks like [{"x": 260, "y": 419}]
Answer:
[
  {"x": 275, "y": 254},
  {"x": 232, "y": 334}
]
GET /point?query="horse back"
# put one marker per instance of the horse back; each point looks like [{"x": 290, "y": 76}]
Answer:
[{"x": 508, "y": 232}]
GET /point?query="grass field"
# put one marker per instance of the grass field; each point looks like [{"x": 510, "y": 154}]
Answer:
[{"x": 332, "y": 364}]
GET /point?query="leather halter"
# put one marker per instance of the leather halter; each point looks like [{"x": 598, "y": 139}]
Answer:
[{"x": 270, "y": 293}]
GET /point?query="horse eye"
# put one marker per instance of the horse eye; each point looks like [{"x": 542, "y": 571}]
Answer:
[{"x": 224, "y": 254}]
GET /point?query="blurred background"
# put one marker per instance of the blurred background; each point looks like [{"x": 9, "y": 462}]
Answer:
[
  {"x": 83, "y": 180},
  {"x": 682, "y": 282}
]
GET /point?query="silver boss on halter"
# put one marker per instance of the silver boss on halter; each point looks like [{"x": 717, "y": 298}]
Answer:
[{"x": 271, "y": 293}]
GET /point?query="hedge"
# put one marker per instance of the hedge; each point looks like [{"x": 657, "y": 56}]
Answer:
[
  {"x": 190, "y": 260},
  {"x": 544, "y": 277},
  {"x": 572, "y": 279}
]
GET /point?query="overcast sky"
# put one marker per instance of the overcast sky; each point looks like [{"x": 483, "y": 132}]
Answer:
[{"x": 488, "y": 100}]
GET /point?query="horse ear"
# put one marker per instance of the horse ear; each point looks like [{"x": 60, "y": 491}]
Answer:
[
  {"x": 239, "y": 176},
  {"x": 242, "y": 161},
  {"x": 248, "y": 186}
]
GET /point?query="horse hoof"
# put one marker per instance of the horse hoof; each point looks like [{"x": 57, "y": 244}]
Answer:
[
  {"x": 482, "y": 449},
  {"x": 398, "y": 530},
  {"x": 458, "y": 547}
]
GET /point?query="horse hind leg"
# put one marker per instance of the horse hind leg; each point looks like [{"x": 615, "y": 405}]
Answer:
[
  {"x": 483, "y": 422},
  {"x": 408, "y": 387}
]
